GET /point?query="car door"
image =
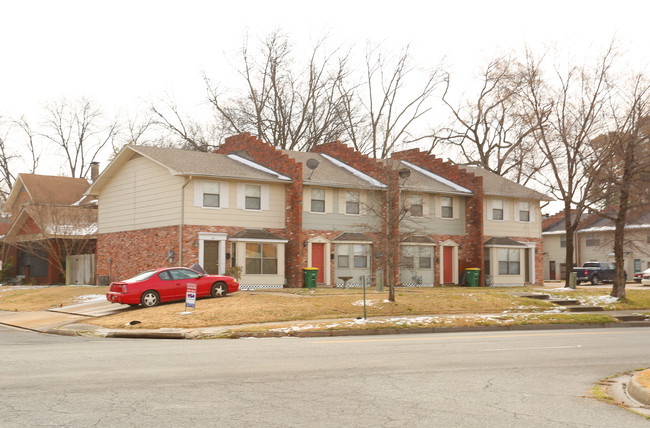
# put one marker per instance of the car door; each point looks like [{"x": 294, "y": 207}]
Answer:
[
  {"x": 165, "y": 286},
  {"x": 181, "y": 278}
]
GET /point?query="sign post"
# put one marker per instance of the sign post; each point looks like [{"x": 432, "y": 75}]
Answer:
[{"x": 190, "y": 296}]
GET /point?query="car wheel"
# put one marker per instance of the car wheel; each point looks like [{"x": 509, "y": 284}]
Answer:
[
  {"x": 149, "y": 299},
  {"x": 595, "y": 280},
  {"x": 219, "y": 289}
]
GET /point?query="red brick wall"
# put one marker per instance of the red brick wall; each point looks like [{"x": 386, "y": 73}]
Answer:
[
  {"x": 471, "y": 253},
  {"x": 270, "y": 157}
]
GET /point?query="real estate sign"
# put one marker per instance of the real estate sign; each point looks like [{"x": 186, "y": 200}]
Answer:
[{"x": 190, "y": 295}]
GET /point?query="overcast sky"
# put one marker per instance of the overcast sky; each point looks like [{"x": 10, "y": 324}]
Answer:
[{"x": 123, "y": 53}]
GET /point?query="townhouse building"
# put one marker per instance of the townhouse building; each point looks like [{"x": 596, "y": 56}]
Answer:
[{"x": 271, "y": 212}]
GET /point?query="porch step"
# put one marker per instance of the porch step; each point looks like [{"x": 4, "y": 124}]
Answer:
[
  {"x": 583, "y": 308},
  {"x": 566, "y": 302},
  {"x": 630, "y": 317}
]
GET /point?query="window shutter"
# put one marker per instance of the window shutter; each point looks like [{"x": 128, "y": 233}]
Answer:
[
  {"x": 516, "y": 205},
  {"x": 265, "y": 197},
  {"x": 533, "y": 209},
  {"x": 455, "y": 203},
  {"x": 490, "y": 206},
  {"x": 241, "y": 197},
  {"x": 198, "y": 193},
  {"x": 507, "y": 207},
  {"x": 223, "y": 194}
]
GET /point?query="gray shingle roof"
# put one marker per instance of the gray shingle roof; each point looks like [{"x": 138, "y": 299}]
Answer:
[
  {"x": 186, "y": 162},
  {"x": 255, "y": 234},
  {"x": 327, "y": 174},
  {"x": 495, "y": 185},
  {"x": 503, "y": 242}
]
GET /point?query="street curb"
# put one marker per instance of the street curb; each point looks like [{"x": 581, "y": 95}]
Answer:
[
  {"x": 637, "y": 391},
  {"x": 135, "y": 334},
  {"x": 424, "y": 330}
]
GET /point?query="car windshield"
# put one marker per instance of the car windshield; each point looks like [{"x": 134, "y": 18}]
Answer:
[{"x": 141, "y": 277}]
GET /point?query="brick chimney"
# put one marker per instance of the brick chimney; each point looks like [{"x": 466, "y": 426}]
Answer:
[{"x": 94, "y": 170}]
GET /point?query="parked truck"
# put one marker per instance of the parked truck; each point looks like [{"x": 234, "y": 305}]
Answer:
[{"x": 595, "y": 272}]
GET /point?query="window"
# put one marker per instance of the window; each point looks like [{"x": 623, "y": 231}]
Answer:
[
  {"x": 261, "y": 259},
  {"x": 352, "y": 202},
  {"x": 497, "y": 209},
  {"x": 421, "y": 254},
  {"x": 426, "y": 256},
  {"x": 416, "y": 208},
  {"x": 343, "y": 256},
  {"x": 524, "y": 211},
  {"x": 318, "y": 200},
  {"x": 211, "y": 194},
  {"x": 359, "y": 253},
  {"x": 509, "y": 261},
  {"x": 563, "y": 241},
  {"x": 253, "y": 197},
  {"x": 592, "y": 240},
  {"x": 447, "y": 207},
  {"x": 181, "y": 274}
]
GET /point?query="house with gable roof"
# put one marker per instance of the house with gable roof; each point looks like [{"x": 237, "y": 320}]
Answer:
[
  {"x": 594, "y": 241},
  {"x": 164, "y": 206},
  {"x": 52, "y": 225}
]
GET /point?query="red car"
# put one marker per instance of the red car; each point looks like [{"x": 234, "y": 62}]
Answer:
[{"x": 168, "y": 284}]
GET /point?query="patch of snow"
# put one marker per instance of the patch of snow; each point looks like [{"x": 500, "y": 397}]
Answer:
[
  {"x": 368, "y": 303},
  {"x": 87, "y": 298},
  {"x": 186, "y": 313}
]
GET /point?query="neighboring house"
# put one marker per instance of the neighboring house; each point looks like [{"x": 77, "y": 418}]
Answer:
[
  {"x": 51, "y": 237},
  {"x": 514, "y": 250},
  {"x": 594, "y": 241},
  {"x": 272, "y": 212}
]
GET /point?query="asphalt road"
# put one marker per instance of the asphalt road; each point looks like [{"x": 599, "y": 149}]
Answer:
[{"x": 522, "y": 379}]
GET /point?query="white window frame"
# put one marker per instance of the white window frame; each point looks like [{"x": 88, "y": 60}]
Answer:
[
  {"x": 497, "y": 205},
  {"x": 413, "y": 199},
  {"x": 443, "y": 206},
  {"x": 348, "y": 200},
  {"x": 312, "y": 199},
  {"x": 264, "y": 196},
  {"x": 199, "y": 191}
]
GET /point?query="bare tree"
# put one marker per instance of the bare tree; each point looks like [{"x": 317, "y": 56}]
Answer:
[
  {"x": 571, "y": 109},
  {"x": 189, "y": 133},
  {"x": 7, "y": 177},
  {"x": 494, "y": 130},
  {"x": 621, "y": 186},
  {"x": 81, "y": 132},
  {"x": 286, "y": 105},
  {"x": 387, "y": 108}
]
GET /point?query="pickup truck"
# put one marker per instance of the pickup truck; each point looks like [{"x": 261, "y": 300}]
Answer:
[{"x": 595, "y": 272}]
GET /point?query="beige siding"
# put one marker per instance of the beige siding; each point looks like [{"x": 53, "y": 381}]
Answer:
[
  {"x": 229, "y": 214},
  {"x": 510, "y": 225},
  {"x": 143, "y": 195}
]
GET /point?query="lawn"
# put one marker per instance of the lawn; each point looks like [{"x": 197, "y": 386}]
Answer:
[
  {"x": 36, "y": 298},
  {"x": 445, "y": 306}
]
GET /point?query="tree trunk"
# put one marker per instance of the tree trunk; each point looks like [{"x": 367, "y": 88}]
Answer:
[{"x": 570, "y": 228}]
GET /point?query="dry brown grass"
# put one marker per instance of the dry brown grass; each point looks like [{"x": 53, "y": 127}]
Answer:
[
  {"x": 644, "y": 378},
  {"x": 34, "y": 298},
  {"x": 291, "y": 305}
]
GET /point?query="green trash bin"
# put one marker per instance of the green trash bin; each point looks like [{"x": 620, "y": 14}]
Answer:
[
  {"x": 471, "y": 276},
  {"x": 310, "y": 275}
]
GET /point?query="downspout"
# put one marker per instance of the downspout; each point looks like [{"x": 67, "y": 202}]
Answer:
[{"x": 180, "y": 226}]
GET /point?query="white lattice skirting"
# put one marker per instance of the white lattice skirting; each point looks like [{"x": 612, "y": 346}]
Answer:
[
  {"x": 521, "y": 284},
  {"x": 246, "y": 287},
  {"x": 340, "y": 285},
  {"x": 415, "y": 285}
]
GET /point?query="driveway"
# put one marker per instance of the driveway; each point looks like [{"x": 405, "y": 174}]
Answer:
[{"x": 44, "y": 321}]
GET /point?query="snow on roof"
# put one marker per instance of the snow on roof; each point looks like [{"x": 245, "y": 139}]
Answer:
[
  {"x": 354, "y": 171},
  {"x": 438, "y": 178},
  {"x": 258, "y": 167}
]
